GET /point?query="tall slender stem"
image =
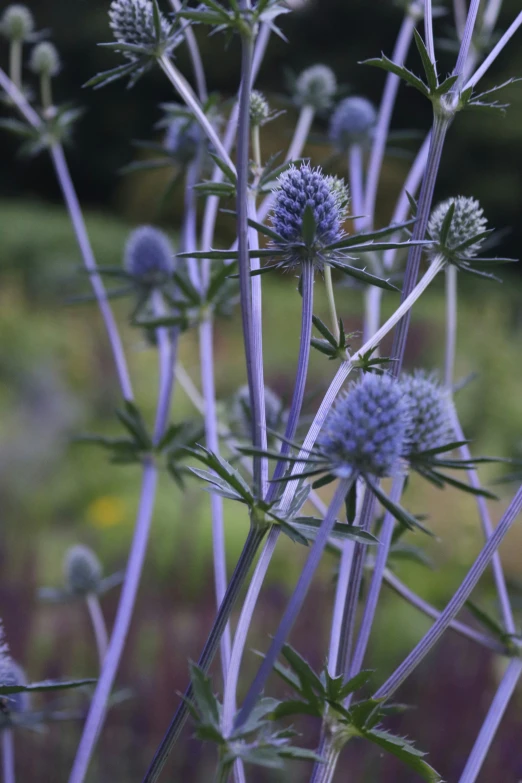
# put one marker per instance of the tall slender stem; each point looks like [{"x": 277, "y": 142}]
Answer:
[
  {"x": 465, "y": 44},
  {"x": 459, "y": 12},
  {"x": 492, "y": 56},
  {"x": 18, "y": 98},
  {"x": 8, "y": 758},
  {"x": 356, "y": 171},
  {"x": 188, "y": 236},
  {"x": 492, "y": 721},
  {"x": 341, "y": 591},
  {"x": 456, "y": 603},
  {"x": 428, "y": 30},
  {"x": 451, "y": 326},
  {"x": 15, "y": 62},
  {"x": 296, "y": 601},
  {"x": 237, "y": 580},
  {"x": 195, "y": 56},
  {"x": 98, "y": 625}
]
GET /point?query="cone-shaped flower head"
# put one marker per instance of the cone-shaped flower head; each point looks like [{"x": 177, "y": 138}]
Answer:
[
  {"x": 468, "y": 220},
  {"x": 366, "y": 429},
  {"x": 82, "y": 570},
  {"x": 241, "y": 414},
  {"x": 17, "y": 22},
  {"x": 132, "y": 22},
  {"x": 315, "y": 87},
  {"x": 149, "y": 256},
  {"x": 259, "y": 108},
  {"x": 301, "y": 189},
  {"x": 352, "y": 122},
  {"x": 429, "y": 425},
  {"x": 45, "y": 60},
  {"x": 182, "y": 139}
]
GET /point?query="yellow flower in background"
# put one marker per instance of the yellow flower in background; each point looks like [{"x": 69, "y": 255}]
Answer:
[{"x": 106, "y": 511}]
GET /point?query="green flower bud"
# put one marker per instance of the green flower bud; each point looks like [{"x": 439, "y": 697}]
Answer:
[
  {"x": 316, "y": 87},
  {"x": 45, "y": 60},
  {"x": 259, "y": 108},
  {"x": 82, "y": 570},
  {"x": 17, "y": 22}
]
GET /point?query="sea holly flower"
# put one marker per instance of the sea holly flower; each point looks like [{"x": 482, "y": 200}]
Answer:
[
  {"x": 316, "y": 87},
  {"x": 182, "y": 139},
  {"x": 352, "y": 123},
  {"x": 82, "y": 571},
  {"x": 44, "y": 59},
  {"x": 17, "y": 23},
  {"x": 429, "y": 425},
  {"x": 241, "y": 415},
  {"x": 149, "y": 257}
]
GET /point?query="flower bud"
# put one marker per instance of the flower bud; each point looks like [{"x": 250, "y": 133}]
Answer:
[
  {"x": 82, "y": 570},
  {"x": 149, "y": 256},
  {"x": 241, "y": 414},
  {"x": 132, "y": 22},
  {"x": 17, "y": 22},
  {"x": 468, "y": 220},
  {"x": 428, "y": 414},
  {"x": 315, "y": 87},
  {"x": 259, "y": 109},
  {"x": 352, "y": 123},
  {"x": 182, "y": 139},
  {"x": 45, "y": 60},
  {"x": 365, "y": 431}
]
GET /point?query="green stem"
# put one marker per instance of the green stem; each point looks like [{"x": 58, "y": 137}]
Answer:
[
  {"x": 15, "y": 62},
  {"x": 46, "y": 91}
]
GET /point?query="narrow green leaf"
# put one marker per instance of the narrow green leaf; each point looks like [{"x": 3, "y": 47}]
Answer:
[
  {"x": 387, "y": 65},
  {"x": 429, "y": 67}
]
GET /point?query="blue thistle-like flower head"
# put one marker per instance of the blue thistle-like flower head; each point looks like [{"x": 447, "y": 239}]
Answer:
[
  {"x": 352, "y": 122},
  {"x": 132, "y": 22},
  {"x": 11, "y": 674},
  {"x": 429, "y": 425},
  {"x": 82, "y": 570},
  {"x": 315, "y": 87},
  {"x": 300, "y": 188},
  {"x": 468, "y": 220},
  {"x": 182, "y": 139},
  {"x": 45, "y": 60},
  {"x": 149, "y": 256},
  {"x": 17, "y": 22},
  {"x": 366, "y": 429}
]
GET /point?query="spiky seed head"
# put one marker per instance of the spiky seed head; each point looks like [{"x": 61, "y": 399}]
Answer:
[
  {"x": 315, "y": 87},
  {"x": 132, "y": 22},
  {"x": 259, "y": 108},
  {"x": 82, "y": 570},
  {"x": 468, "y": 220},
  {"x": 241, "y": 413},
  {"x": 149, "y": 256},
  {"x": 365, "y": 431},
  {"x": 429, "y": 424},
  {"x": 182, "y": 139},
  {"x": 44, "y": 59},
  {"x": 17, "y": 22},
  {"x": 352, "y": 122},
  {"x": 299, "y": 188}
]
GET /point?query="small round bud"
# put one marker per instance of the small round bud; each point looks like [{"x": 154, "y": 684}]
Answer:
[
  {"x": 428, "y": 415},
  {"x": 45, "y": 60},
  {"x": 182, "y": 139},
  {"x": 13, "y": 674},
  {"x": 241, "y": 414},
  {"x": 132, "y": 22},
  {"x": 300, "y": 188},
  {"x": 315, "y": 87},
  {"x": 352, "y": 123},
  {"x": 17, "y": 22},
  {"x": 149, "y": 256},
  {"x": 259, "y": 108},
  {"x": 365, "y": 431},
  {"x": 468, "y": 220},
  {"x": 340, "y": 192},
  {"x": 82, "y": 570}
]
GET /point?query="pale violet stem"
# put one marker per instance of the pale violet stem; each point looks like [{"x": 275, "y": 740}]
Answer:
[
  {"x": 456, "y": 603},
  {"x": 243, "y": 626},
  {"x": 440, "y": 128},
  {"x": 490, "y": 16},
  {"x": 487, "y": 527},
  {"x": 189, "y": 241},
  {"x": 428, "y": 30},
  {"x": 459, "y": 12},
  {"x": 383, "y": 549},
  {"x": 356, "y": 170},
  {"x": 383, "y": 121},
  {"x": 451, "y": 326},
  {"x": 8, "y": 759},
  {"x": 195, "y": 56},
  {"x": 465, "y": 44},
  {"x": 423, "y": 606},
  {"x": 98, "y": 707},
  {"x": 341, "y": 591},
  {"x": 19, "y": 100},
  {"x": 98, "y": 625},
  {"x": 260, "y": 50},
  {"x": 76, "y": 216},
  {"x": 167, "y": 339},
  {"x": 206, "y": 351},
  {"x": 296, "y": 601},
  {"x": 346, "y": 367},
  {"x": 491, "y": 723},
  {"x": 492, "y": 56},
  {"x": 295, "y": 150},
  {"x": 330, "y": 752},
  {"x": 187, "y": 94}
]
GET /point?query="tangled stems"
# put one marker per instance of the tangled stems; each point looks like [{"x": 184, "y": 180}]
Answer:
[
  {"x": 456, "y": 603},
  {"x": 492, "y": 721}
]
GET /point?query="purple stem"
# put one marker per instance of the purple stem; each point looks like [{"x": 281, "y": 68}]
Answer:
[
  {"x": 491, "y": 723},
  {"x": 465, "y": 44},
  {"x": 456, "y": 603},
  {"x": 8, "y": 759},
  {"x": 189, "y": 238},
  {"x": 98, "y": 625},
  {"x": 192, "y": 46},
  {"x": 296, "y": 601},
  {"x": 428, "y": 30}
]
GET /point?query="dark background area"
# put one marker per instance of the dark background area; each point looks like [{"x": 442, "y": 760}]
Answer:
[{"x": 56, "y": 379}]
